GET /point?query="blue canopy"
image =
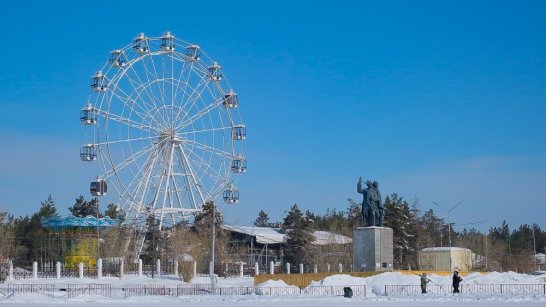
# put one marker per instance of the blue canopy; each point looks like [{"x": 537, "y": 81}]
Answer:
[{"x": 72, "y": 221}]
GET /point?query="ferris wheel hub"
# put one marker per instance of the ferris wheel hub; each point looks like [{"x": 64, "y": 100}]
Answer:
[{"x": 169, "y": 135}]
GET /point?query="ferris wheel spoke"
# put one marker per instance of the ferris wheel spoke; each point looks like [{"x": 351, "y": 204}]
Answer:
[
  {"x": 138, "y": 84},
  {"x": 205, "y": 130},
  {"x": 125, "y": 121},
  {"x": 127, "y": 161},
  {"x": 109, "y": 142},
  {"x": 140, "y": 87},
  {"x": 153, "y": 86},
  {"x": 130, "y": 104},
  {"x": 200, "y": 114},
  {"x": 185, "y": 67},
  {"x": 211, "y": 149},
  {"x": 189, "y": 103},
  {"x": 206, "y": 167},
  {"x": 186, "y": 82},
  {"x": 155, "y": 99},
  {"x": 196, "y": 93},
  {"x": 127, "y": 100},
  {"x": 157, "y": 117},
  {"x": 156, "y": 77},
  {"x": 203, "y": 165}
]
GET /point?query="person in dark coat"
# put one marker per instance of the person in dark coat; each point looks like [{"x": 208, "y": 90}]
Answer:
[
  {"x": 456, "y": 281},
  {"x": 424, "y": 282}
]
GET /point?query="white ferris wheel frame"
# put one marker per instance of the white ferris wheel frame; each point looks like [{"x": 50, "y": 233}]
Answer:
[{"x": 166, "y": 130}]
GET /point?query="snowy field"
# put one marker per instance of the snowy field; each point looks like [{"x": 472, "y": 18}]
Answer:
[{"x": 375, "y": 286}]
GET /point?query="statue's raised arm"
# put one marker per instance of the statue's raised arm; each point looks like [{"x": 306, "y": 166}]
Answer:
[{"x": 359, "y": 186}]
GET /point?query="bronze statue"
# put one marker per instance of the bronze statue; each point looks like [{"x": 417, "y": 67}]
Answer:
[{"x": 373, "y": 211}]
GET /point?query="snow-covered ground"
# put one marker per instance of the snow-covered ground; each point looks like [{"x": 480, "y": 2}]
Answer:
[{"x": 375, "y": 292}]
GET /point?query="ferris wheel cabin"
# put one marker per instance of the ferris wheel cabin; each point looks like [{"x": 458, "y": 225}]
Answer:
[
  {"x": 238, "y": 164},
  {"x": 231, "y": 196},
  {"x": 193, "y": 52},
  {"x": 88, "y": 152},
  {"x": 140, "y": 44},
  {"x": 230, "y": 100},
  {"x": 238, "y": 132},
  {"x": 117, "y": 59},
  {"x": 215, "y": 72},
  {"x": 88, "y": 115},
  {"x": 98, "y": 188},
  {"x": 98, "y": 82},
  {"x": 167, "y": 42}
]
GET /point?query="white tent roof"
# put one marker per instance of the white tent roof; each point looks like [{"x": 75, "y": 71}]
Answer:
[
  {"x": 264, "y": 235},
  {"x": 267, "y": 235}
]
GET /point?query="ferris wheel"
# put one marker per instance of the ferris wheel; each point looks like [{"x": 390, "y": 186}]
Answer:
[{"x": 163, "y": 130}]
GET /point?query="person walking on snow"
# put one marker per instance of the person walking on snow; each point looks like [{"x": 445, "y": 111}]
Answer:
[
  {"x": 424, "y": 282},
  {"x": 456, "y": 281}
]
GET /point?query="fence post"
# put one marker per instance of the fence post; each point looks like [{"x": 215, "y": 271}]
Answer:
[
  {"x": 340, "y": 266},
  {"x": 99, "y": 268},
  {"x": 301, "y": 268},
  {"x": 315, "y": 268},
  {"x": 158, "y": 267},
  {"x": 288, "y": 268},
  {"x": 58, "y": 270},
  {"x": 175, "y": 268},
  {"x": 139, "y": 267},
  {"x": 256, "y": 269},
  {"x": 121, "y": 268},
  {"x": 10, "y": 269},
  {"x": 194, "y": 268},
  {"x": 35, "y": 270},
  {"x": 241, "y": 269},
  {"x": 80, "y": 269},
  {"x": 271, "y": 268},
  {"x": 327, "y": 267}
]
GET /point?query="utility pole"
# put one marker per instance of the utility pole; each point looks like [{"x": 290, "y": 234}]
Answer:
[
  {"x": 449, "y": 228},
  {"x": 534, "y": 246}
]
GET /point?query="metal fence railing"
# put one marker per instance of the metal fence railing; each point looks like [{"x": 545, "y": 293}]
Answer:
[
  {"x": 74, "y": 290},
  {"x": 44, "y": 289},
  {"x": 107, "y": 290},
  {"x": 358, "y": 290},
  {"x": 487, "y": 289}
]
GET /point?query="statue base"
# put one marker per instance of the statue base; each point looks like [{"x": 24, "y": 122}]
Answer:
[{"x": 373, "y": 249}]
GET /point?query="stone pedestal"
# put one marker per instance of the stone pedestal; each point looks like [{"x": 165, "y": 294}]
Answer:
[{"x": 372, "y": 249}]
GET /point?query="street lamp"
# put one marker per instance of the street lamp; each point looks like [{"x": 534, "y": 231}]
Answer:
[{"x": 448, "y": 227}]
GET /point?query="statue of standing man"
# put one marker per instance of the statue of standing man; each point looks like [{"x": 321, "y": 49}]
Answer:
[{"x": 373, "y": 211}]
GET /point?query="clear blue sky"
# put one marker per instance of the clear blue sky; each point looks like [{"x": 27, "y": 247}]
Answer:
[{"x": 439, "y": 101}]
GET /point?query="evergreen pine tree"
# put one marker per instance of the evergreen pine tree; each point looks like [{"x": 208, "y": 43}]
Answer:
[
  {"x": 300, "y": 237},
  {"x": 83, "y": 208},
  {"x": 115, "y": 212},
  {"x": 398, "y": 217},
  {"x": 262, "y": 220}
]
